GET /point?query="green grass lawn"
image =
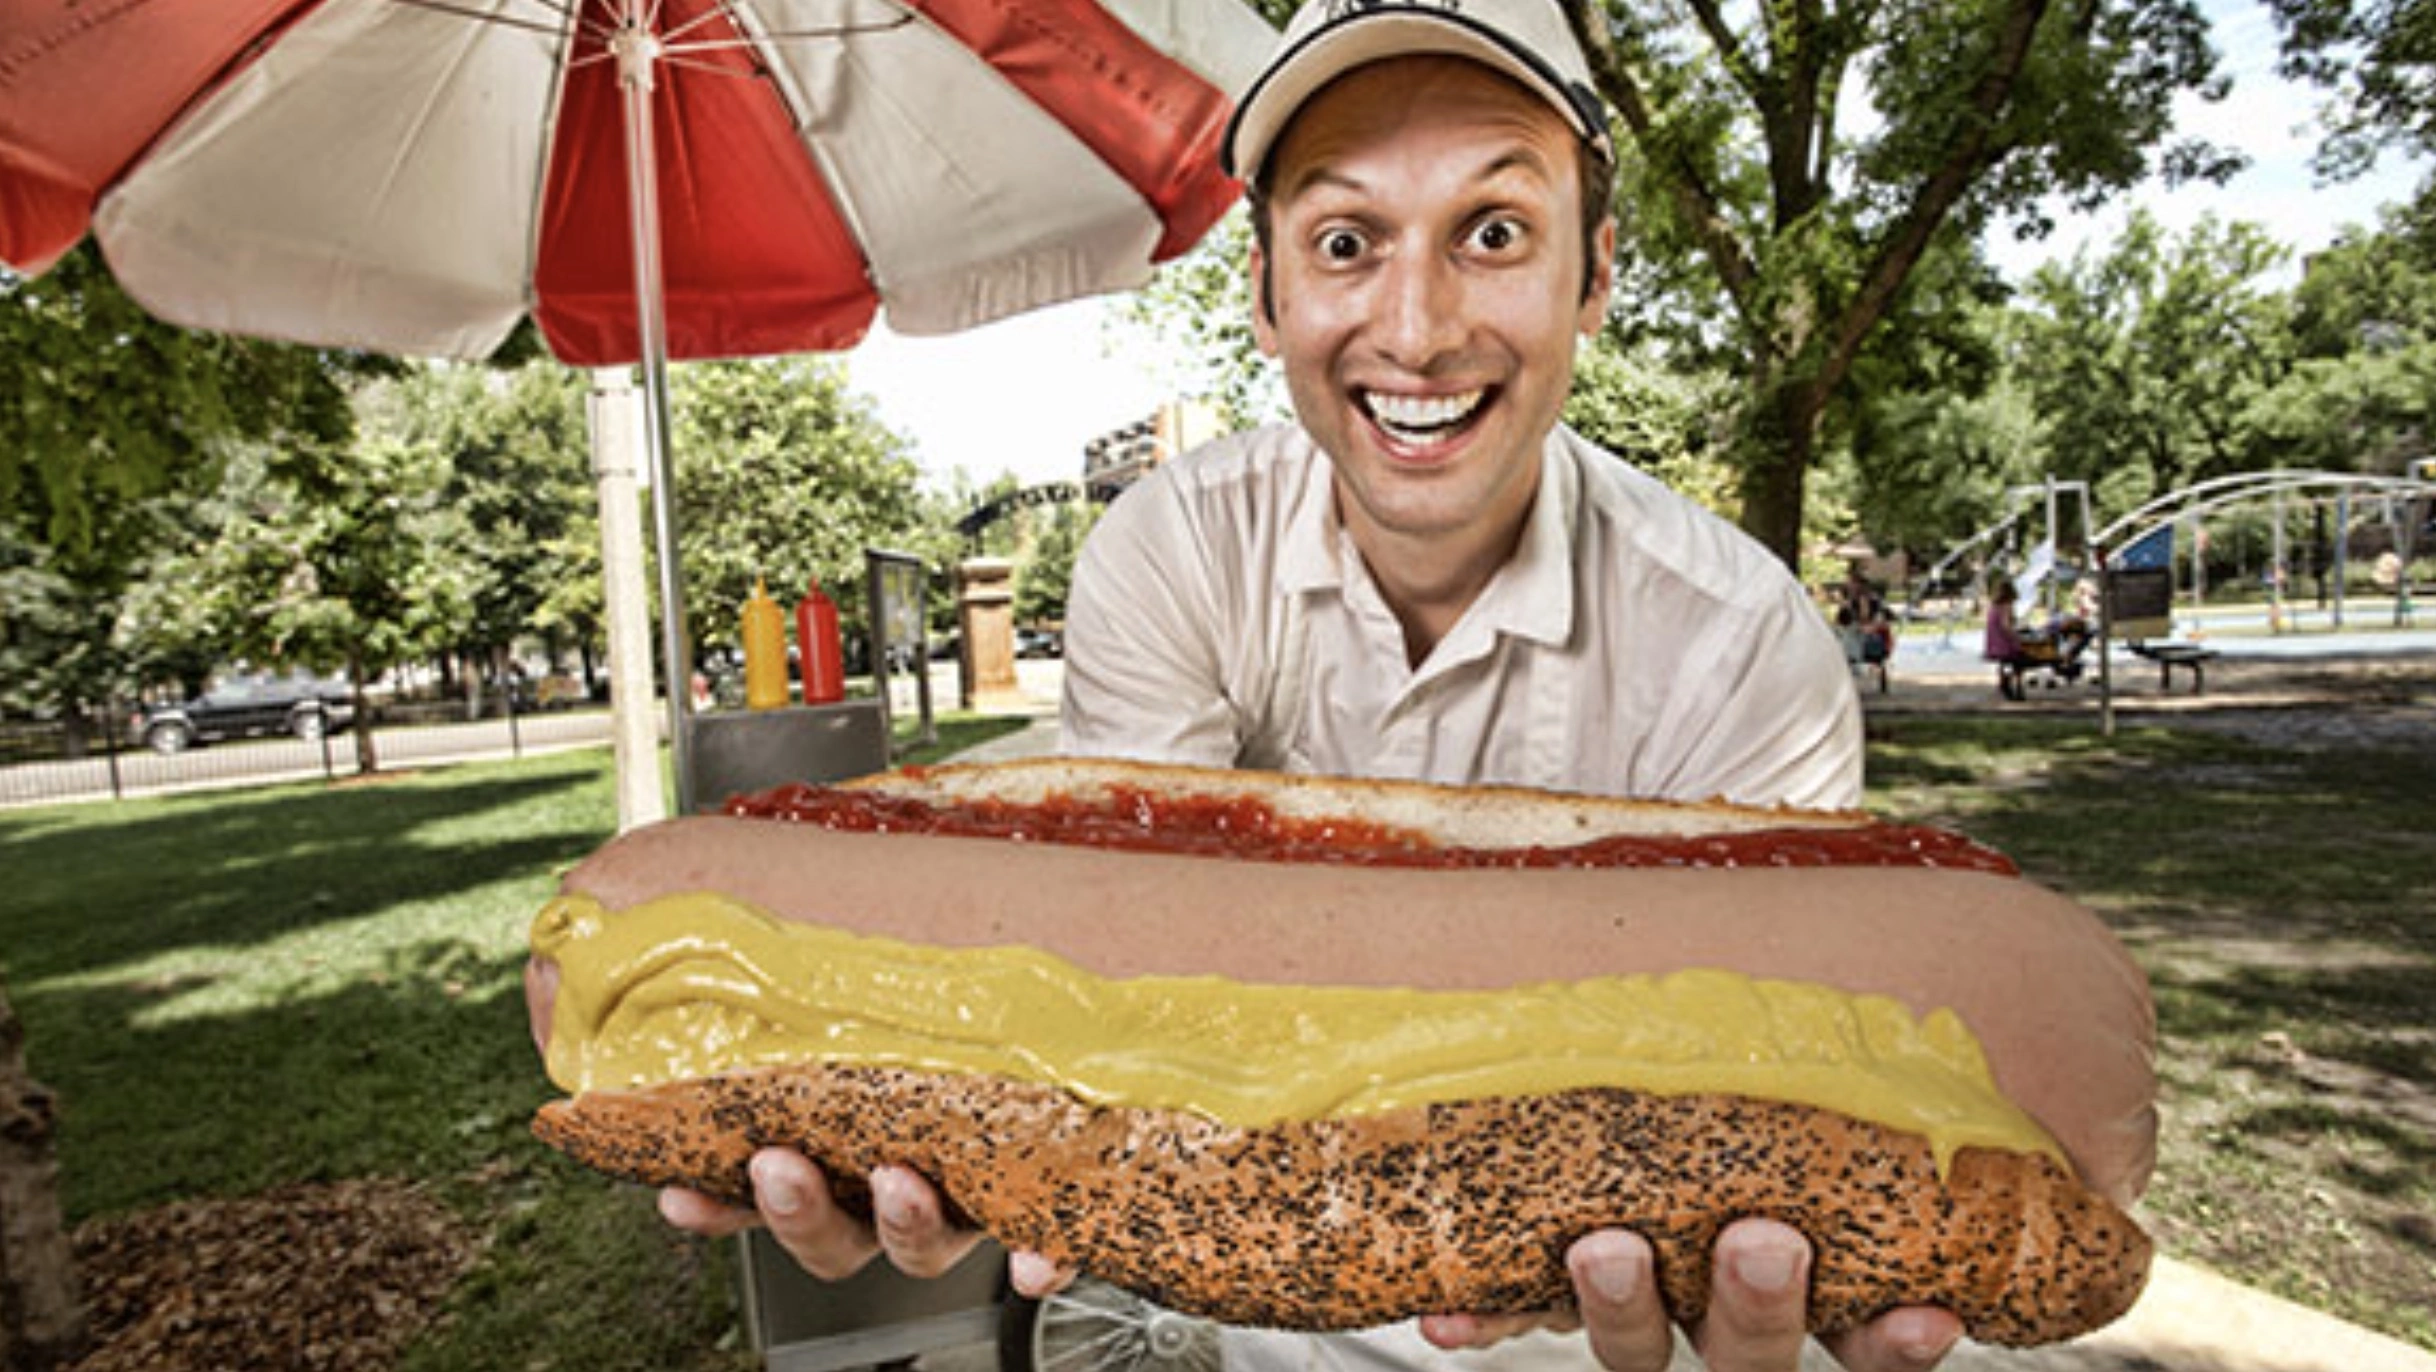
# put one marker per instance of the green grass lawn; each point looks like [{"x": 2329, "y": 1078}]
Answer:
[
  {"x": 242, "y": 989},
  {"x": 239, "y": 990},
  {"x": 2279, "y": 900}
]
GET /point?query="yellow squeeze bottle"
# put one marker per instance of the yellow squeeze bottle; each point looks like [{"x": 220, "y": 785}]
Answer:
[{"x": 765, "y": 652}]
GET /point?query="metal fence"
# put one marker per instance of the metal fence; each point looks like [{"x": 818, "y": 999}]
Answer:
[{"x": 42, "y": 762}]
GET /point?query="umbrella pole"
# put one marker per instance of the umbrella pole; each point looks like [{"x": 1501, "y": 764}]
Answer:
[{"x": 637, "y": 49}]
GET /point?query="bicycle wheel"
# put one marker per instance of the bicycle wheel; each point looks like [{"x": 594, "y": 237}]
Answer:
[{"x": 1094, "y": 1327}]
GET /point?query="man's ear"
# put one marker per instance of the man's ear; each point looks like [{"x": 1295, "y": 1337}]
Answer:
[
  {"x": 1264, "y": 325},
  {"x": 1602, "y": 279}
]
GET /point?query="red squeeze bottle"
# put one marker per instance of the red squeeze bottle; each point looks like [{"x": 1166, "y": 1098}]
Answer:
[{"x": 822, "y": 658}]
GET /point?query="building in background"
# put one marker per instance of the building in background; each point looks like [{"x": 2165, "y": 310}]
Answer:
[{"x": 1123, "y": 455}]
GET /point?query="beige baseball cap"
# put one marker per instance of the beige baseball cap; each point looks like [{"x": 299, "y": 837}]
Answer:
[{"x": 1527, "y": 40}]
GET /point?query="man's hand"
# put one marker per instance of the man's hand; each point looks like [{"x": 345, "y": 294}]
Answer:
[
  {"x": 908, "y": 1224},
  {"x": 1755, "y": 1321}
]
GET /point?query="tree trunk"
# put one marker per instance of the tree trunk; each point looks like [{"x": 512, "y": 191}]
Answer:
[
  {"x": 1779, "y": 437},
  {"x": 367, "y": 759},
  {"x": 41, "y": 1322}
]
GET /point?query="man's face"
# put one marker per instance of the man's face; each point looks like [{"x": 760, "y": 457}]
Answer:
[{"x": 1425, "y": 262}]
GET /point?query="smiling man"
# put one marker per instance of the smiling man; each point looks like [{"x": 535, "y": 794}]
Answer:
[{"x": 1426, "y": 575}]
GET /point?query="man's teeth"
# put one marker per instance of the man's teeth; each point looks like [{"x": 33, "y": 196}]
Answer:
[{"x": 1422, "y": 416}]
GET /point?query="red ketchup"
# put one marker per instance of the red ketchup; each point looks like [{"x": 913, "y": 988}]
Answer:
[
  {"x": 822, "y": 659},
  {"x": 1242, "y": 827}
]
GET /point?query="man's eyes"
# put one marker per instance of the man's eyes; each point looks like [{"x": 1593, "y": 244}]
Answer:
[
  {"x": 1342, "y": 245},
  {"x": 1493, "y": 235},
  {"x": 1498, "y": 234}
]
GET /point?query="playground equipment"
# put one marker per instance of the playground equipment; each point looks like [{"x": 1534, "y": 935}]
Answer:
[{"x": 2133, "y": 558}]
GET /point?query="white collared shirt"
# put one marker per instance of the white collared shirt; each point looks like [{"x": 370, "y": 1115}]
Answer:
[{"x": 1634, "y": 645}]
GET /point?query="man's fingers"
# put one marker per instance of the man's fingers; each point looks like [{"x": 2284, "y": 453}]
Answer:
[
  {"x": 1452, "y": 1332},
  {"x": 699, "y": 1214},
  {"x": 804, "y": 1217},
  {"x": 1758, "y": 1299},
  {"x": 913, "y": 1227},
  {"x": 1913, "y": 1338},
  {"x": 1615, "y": 1286},
  {"x": 1034, "y": 1276}
]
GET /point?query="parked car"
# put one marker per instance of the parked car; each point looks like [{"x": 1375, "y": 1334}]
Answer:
[
  {"x": 247, "y": 706},
  {"x": 1039, "y": 643}
]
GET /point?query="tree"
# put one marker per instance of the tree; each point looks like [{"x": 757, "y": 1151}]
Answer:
[
  {"x": 117, "y": 424},
  {"x": 1047, "y": 568},
  {"x": 1942, "y": 424},
  {"x": 2370, "y": 412},
  {"x": 2368, "y": 292},
  {"x": 783, "y": 475},
  {"x": 111, "y": 406},
  {"x": 2145, "y": 359},
  {"x": 350, "y": 557},
  {"x": 2376, "y": 59},
  {"x": 515, "y": 445},
  {"x": 1659, "y": 418},
  {"x": 1811, "y": 154},
  {"x": 41, "y": 1322},
  {"x": 1203, "y": 301}
]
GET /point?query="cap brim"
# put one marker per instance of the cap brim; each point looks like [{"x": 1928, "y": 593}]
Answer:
[{"x": 1365, "y": 37}]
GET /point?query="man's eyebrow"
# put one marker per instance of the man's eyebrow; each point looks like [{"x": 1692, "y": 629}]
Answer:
[
  {"x": 1322, "y": 175},
  {"x": 1524, "y": 159}
]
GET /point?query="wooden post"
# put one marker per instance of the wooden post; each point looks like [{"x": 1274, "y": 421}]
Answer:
[{"x": 41, "y": 1323}]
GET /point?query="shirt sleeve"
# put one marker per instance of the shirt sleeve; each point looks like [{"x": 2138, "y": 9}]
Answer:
[
  {"x": 1788, "y": 730},
  {"x": 1143, "y": 625}
]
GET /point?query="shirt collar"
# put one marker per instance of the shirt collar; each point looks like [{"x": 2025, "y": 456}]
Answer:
[
  {"x": 1532, "y": 596},
  {"x": 1308, "y": 560}
]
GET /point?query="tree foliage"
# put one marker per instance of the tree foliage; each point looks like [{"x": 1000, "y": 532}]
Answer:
[
  {"x": 1046, "y": 569},
  {"x": 1809, "y": 155},
  {"x": 2376, "y": 59},
  {"x": 1660, "y": 418},
  {"x": 1201, "y": 304},
  {"x": 783, "y": 476},
  {"x": 518, "y": 476},
  {"x": 117, "y": 426},
  {"x": 2144, "y": 359},
  {"x": 111, "y": 406}
]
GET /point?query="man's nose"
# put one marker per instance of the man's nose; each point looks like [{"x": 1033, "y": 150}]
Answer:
[{"x": 1420, "y": 313}]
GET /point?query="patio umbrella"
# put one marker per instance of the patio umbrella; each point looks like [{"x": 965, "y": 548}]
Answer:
[{"x": 647, "y": 179}]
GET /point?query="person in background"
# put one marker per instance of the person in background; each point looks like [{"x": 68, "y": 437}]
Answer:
[
  {"x": 2001, "y": 640},
  {"x": 1425, "y": 575}
]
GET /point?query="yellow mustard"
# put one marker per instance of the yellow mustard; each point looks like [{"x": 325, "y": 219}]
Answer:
[{"x": 689, "y": 985}]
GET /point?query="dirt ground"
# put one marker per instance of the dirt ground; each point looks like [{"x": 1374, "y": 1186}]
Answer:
[{"x": 324, "y": 1278}]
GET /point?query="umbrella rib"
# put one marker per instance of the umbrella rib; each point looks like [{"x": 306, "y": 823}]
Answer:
[
  {"x": 709, "y": 13},
  {"x": 837, "y": 31},
  {"x": 479, "y": 17}
]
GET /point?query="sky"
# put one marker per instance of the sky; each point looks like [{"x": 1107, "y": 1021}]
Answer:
[{"x": 1025, "y": 394}]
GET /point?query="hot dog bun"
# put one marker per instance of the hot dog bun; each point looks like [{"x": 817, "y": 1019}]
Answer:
[{"x": 1463, "y": 1205}]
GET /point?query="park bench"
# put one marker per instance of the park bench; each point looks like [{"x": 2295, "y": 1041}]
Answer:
[{"x": 2190, "y": 657}]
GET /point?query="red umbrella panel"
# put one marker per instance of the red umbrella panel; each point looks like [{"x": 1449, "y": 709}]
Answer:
[{"x": 413, "y": 176}]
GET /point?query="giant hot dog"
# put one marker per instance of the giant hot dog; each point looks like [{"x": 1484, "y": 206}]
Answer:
[{"x": 1324, "y": 1054}]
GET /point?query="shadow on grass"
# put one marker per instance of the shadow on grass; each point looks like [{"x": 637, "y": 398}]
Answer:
[
  {"x": 422, "y": 1069},
  {"x": 2203, "y": 835},
  {"x": 2266, "y": 890},
  {"x": 92, "y": 887}
]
